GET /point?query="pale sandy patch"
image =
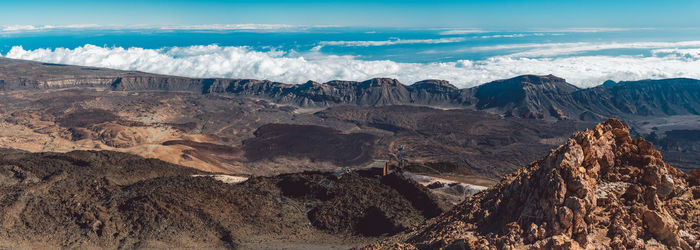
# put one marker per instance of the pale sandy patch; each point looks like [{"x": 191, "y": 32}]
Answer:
[{"x": 230, "y": 179}]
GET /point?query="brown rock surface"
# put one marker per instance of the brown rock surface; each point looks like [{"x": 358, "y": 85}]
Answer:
[
  {"x": 602, "y": 188},
  {"x": 106, "y": 199}
]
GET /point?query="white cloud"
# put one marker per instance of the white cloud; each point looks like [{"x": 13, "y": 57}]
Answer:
[
  {"x": 250, "y": 26},
  {"x": 228, "y": 27},
  {"x": 559, "y": 49},
  {"x": 18, "y": 27},
  {"x": 292, "y": 67},
  {"x": 518, "y": 46},
  {"x": 460, "y": 32},
  {"x": 218, "y": 27},
  {"x": 591, "y": 30},
  {"x": 693, "y": 53},
  {"x": 388, "y": 42},
  {"x": 73, "y": 26},
  {"x": 506, "y": 36},
  {"x": 467, "y": 31},
  {"x": 40, "y": 28},
  {"x": 518, "y": 35}
]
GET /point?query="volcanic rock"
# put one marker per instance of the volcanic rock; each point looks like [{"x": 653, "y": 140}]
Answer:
[
  {"x": 105, "y": 199},
  {"x": 602, "y": 188}
]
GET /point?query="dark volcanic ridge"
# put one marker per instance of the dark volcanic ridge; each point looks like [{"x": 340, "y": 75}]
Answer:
[
  {"x": 89, "y": 199},
  {"x": 530, "y": 96},
  {"x": 602, "y": 188}
]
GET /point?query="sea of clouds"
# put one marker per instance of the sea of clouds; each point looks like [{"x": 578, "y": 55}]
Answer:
[{"x": 664, "y": 60}]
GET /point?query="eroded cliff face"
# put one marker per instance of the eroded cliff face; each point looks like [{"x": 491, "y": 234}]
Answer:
[
  {"x": 602, "y": 188},
  {"x": 162, "y": 83},
  {"x": 373, "y": 92}
]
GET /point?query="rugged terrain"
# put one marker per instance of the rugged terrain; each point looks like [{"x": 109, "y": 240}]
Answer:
[
  {"x": 212, "y": 124},
  {"x": 90, "y": 199},
  {"x": 261, "y": 156},
  {"x": 238, "y": 135},
  {"x": 601, "y": 188}
]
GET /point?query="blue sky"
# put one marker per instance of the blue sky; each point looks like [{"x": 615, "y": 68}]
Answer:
[
  {"x": 465, "y": 42},
  {"x": 507, "y": 14}
]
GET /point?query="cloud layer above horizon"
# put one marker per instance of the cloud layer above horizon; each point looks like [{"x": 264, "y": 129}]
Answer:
[
  {"x": 667, "y": 60},
  {"x": 249, "y": 27}
]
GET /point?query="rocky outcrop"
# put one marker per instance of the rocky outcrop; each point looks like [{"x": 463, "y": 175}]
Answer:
[{"x": 602, "y": 188}]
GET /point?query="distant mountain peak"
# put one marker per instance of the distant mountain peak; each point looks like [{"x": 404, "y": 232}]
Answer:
[
  {"x": 434, "y": 84},
  {"x": 529, "y": 96},
  {"x": 538, "y": 79},
  {"x": 609, "y": 83},
  {"x": 310, "y": 82},
  {"x": 545, "y": 82},
  {"x": 376, "y": 82}
]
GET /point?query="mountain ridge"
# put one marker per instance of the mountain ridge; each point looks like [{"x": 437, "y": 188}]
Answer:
[{"x": 526, "y": 96}]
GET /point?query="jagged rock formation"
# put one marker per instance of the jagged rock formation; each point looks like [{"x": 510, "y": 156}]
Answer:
[
  {"x": 602, "y": 188},
  {"x": 528, "y": 96}
]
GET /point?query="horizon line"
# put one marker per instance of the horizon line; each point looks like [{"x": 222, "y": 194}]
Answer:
[{"x": 447, "y": 30}]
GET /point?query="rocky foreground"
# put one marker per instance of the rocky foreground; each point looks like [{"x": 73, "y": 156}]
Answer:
[
  {"x": 601, "y": 189},
  {"x": 105, "y": 199}
]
